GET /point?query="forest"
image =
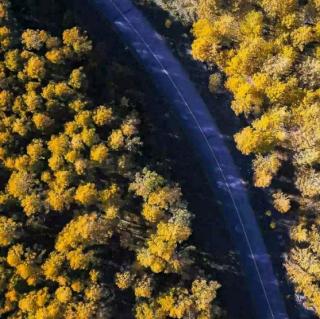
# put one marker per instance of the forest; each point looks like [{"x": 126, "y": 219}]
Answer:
[
  {"x": 87, "y": 228},
  {"x": 266, "y": 54},
  {"x": 92, "y": 224}
]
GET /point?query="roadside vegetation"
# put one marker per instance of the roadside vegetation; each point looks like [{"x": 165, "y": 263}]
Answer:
[
  {"x": 85, "y": 232},
  {"x": 184, "y": 10},
  {"x": 268, "y": 52}
]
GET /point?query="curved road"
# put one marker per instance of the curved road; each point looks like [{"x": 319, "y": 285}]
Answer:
[{"x": 200, "y": 128}]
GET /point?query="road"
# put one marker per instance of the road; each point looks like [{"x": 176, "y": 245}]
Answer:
[{"x": 200, "y": 128}]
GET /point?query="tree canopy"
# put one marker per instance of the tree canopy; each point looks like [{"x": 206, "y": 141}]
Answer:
[
  {"x": 269, "y": 51},
  {"x": 83, "y": 230}
]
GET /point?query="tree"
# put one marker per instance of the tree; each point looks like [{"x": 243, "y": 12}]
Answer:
[
  {"x": 99, "y": 153},
  {"x": 20, "y": 184},
  {"x": 303, "y": 264},
  {"x": 86, "y": 194},
  {"x": 264, "y": 133},
  {"x": 184, "y": 10},
  {"x": 102, "y": 115},
  {"x": 31, "y": 204},
  {"x": 85, "y": 230},
  {"x": 123, "y": 280},
  {"x": 8, "y": 231},
  {"x": 35, "y": 68},
  {"x": 265, "y": 168},
  {"x": 77, "y": 41},
  {"x": 281, "y": 202}
]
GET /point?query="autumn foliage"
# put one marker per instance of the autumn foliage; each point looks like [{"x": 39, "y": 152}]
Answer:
[
  {"x": 78, "y": 225},
  {"x": 269, "y": 51}
]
